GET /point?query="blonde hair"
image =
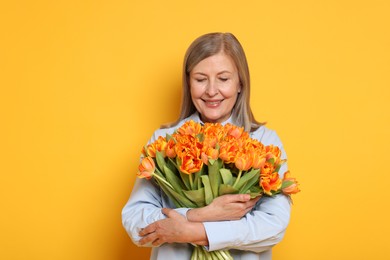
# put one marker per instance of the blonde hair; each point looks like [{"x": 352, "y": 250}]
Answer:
[{"x": 208, "y": 45}]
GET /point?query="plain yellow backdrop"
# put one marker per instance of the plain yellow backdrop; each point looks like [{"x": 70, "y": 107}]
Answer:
[{"x": 85, "y": 83}]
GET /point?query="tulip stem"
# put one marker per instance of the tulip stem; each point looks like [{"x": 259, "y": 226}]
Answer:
[
  {"x": 191, "y": 181},
  {"x": 238, "y": 178},
  {"x": 163, "y": 180}
]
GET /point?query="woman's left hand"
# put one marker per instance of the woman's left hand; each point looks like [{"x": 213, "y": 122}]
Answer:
[{"x": 174, "y": 229}]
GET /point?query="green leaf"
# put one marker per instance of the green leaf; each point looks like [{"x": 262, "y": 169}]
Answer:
[
  {"x": 271, "y": 161},
  {"x": 280, "y": 165},
  {"x": 178, "y": 199},
  {"x": 227, "y": 176},
  {"x": 200, "y": 182},
  {"x": 159, "y": 173},
  {"x": 167, "y": 191},
  {"x": 227, "y": 189},
  {"x": 160, "y": 161},
  {"x": 255, "y": 194},
  {"x": 285, "y": 184},
  {"x": 183, "y": 200},
  {"x": 173, "y": 180},
  {"x": 200, "y": 137},
  {"x": 197, "y": 182},
  {"x": 185, "y": 179},
  {"x": 169, "y": 137},
  {"x": 215, "y": 177},
  {"x": 255, "y": 191},
  {"x": 211, "y": 161},
  {"x": 251, "y": 182},
  {"x": 172, "y": 162},
  {"x": 196, "y": 196},
  {"x": 208, "y": 193},
  {"x": 246, "y": 177},
  {"x": 171, "y": 165}
]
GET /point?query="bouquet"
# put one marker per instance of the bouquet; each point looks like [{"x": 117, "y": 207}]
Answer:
[{"x": 198, "y": 163}]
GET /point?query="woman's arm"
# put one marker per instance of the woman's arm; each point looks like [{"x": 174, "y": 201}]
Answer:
[
  {"x": 226, "y": 207},
  {"x": 259, "y": 230},
  {"x": 174, "y": 229},
  {"x": 143, "y": 208},
  {"x": 178, "y": 229}
]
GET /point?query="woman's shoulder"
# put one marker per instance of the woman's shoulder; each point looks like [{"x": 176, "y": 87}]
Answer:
[
  {"x": 266, "y": 135},
  {"x": 162, "y": 132}
]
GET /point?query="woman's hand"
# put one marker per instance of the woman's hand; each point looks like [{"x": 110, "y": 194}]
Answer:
[
  {"x": 226, "y": 207},
  {"x": 174, "y": 229}
]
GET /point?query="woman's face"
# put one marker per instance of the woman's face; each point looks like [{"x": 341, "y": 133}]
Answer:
[{"x": 214, "y": 86}]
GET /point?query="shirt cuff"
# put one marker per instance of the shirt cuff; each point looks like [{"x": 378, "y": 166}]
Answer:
[
  {"x": 182, "y": 211},
  {"x": 221, "y": 234}
]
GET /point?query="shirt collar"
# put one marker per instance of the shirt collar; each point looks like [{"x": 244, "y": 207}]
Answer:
[{"x": 196, "y": 117}]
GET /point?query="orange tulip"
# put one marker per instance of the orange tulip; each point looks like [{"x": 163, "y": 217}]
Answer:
[
  {"x": 158, "y": 145},
  {"x": 170, "y": 149},
  {"x": 228, "y": 152},
  {"x": 293, "y": 188},
  {"x": 190, "y": 164},
  {"x": 270, "y": 183},
  {"x": 273, "y": 152},
  {"x": 146, "y": 168},
  {"x": 188, "y": 145},
  {"x": 267, "y": 169},
  {"x": 234, "y": 131},
  {"x": 243, "y": 162},
  {"x": 209, "y": 153},
  {"x": 190, "y": 128},
  {"x": 212, "y": 129},
  {"x": 258, "y": 161},
  {"x": 150, "y": 150}
]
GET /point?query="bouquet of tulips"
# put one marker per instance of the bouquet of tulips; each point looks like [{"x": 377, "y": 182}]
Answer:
[{"x": 198, "y": 163}]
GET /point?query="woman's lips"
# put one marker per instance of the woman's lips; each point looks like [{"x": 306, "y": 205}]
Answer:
[{"x": 212, "y": 103}]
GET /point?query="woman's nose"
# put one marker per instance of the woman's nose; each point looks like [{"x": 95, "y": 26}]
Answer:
[{"x": 212, "y": 88}]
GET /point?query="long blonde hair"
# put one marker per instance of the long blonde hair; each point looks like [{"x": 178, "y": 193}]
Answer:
[{"x": 208, "y": 45}]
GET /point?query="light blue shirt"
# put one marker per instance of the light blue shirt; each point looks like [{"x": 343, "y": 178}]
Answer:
[{"x": 252, "y": 237}]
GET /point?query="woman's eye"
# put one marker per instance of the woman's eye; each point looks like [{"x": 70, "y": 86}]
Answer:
[
  {"x": 200, "y": 80},
  {"x": 223, "y": 79}
]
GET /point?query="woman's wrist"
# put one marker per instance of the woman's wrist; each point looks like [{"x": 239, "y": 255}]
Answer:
[
  {"x": 197, "y": 234},
  {"x": 196, "y": 215}
]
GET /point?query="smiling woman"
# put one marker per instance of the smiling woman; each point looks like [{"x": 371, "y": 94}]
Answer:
[
  {"x": 223, "y": 58},
  {"x": 216, "y": 89},
  {"x": 215, "y": 85}
]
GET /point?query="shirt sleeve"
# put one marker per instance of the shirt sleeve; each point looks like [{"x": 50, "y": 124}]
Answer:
[
  {"x": 264, "y": 226},
  {"x": 144, "y": 205}
]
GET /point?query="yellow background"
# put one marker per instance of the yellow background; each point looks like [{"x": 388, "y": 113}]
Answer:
[{"x": 85, "y": 83}]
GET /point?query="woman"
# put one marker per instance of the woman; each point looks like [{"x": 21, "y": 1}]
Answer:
[{"x": 216, "y": 88}]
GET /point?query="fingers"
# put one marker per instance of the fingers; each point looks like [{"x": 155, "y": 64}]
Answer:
[
  {"x": 149, "y": 238},
  {"x": 244, "y": 197},
  {"x": 237, "y": 197},
  {"x": 149, "y": 229},
  {"x": 150, "y": 235},
  {"x": 152, "y": 238},
  {"x": 173, "y": 214},
  {"x": 168, "y": 212},
  {"x": 155, "y": 233},
  {"x": 250, "y": 204}
]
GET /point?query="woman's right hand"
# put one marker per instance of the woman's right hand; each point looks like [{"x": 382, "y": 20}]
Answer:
[{"x": 225, "y": 207}]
